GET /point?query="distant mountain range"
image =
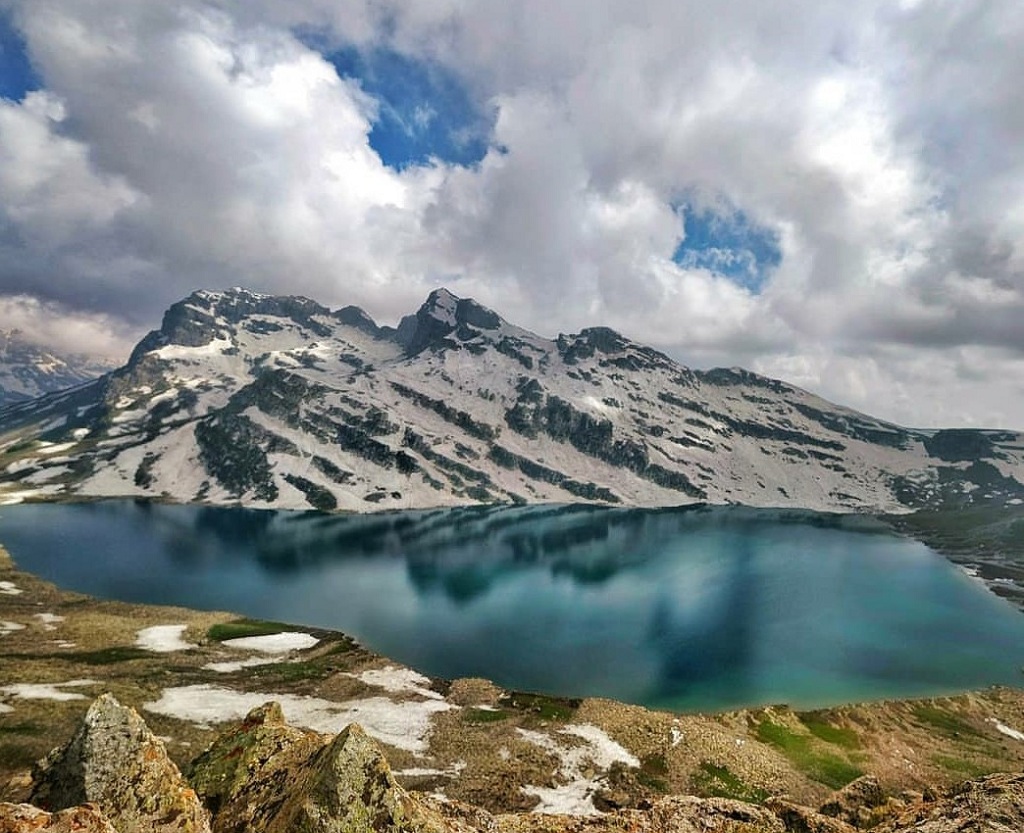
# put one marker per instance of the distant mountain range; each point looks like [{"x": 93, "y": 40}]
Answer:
[
  {"x": 279, "y": 401},
  {"x": 28, "y": 371}
]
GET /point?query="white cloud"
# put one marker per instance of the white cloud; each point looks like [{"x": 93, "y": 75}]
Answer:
[
  {"x": 66, "y": 331},
  {"x": 201, "y": 143}
]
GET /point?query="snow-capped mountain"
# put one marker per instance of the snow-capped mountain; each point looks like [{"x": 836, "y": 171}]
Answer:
[
  {"x": 28, "y": 371},
  {"x": 279, "y": 401}
]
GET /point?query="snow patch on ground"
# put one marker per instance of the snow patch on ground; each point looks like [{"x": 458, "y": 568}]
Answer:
[
  {"x": 575, "y": 796},
  {"x": 48, "y": 621},
  {"x": 163, "y": 639},
  {"x": 14, "y": 497},
  {"x": 10, "y": 627},
  {"x": 1010, "y": 732},
  {"x": 4, "y": 708},
  {"x": 422, "y": 772},
  {"x": 9, "y": 588},
  {"x": 397, "y": 680},
  {"x": 274, "y": 643},
  {"x": 46, "y": 691},
  {"x": 54, "y": 448},
  {"x": 404, "y": 725}
]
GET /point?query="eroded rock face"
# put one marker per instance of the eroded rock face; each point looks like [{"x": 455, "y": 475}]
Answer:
[
  {"x": 116, "y": 763},
  {"x": 24, "y": 818}
]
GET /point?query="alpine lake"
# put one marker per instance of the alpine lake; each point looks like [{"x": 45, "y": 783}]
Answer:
[{"x": 700, "y": 608}]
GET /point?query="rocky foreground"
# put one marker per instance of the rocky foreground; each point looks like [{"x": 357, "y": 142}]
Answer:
[
  {"x": 262, "y": 774},
  {"x": 356, "y": 742}
]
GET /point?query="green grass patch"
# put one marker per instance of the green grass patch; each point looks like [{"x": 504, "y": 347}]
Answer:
[
  {"x": 107, "y": 656},
  {"x": 290, "y": 672},
  {"x": 543, "y": 706},
  {"x": 961, "y": 767},
  {"x": 32, "y": 729},
  {"x": 16, "y": 756},
  {"x": 103, "y": 656},
  {"x": 818, "y": 726},
  {"x": 653, "y": 770},
  {"x": 240, "y": 628},
  {"x": 343, "y": 645},
  {"x": 721, "y": 782},
  {"x": 484, "y": 715},
  {"x": 824, "y": 767},
  {"x": 945, "y": 722}
]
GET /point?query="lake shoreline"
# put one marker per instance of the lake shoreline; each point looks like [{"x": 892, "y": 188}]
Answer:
[
  {"x": 70, "y": 648},
  {"x": 683, "y": 609}
]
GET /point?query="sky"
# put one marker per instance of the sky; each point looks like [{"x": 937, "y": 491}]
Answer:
[{"x": 826, "y": 192}]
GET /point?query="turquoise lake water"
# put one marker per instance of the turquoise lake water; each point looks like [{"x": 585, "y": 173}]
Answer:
[{"x": 697, "y": 608}]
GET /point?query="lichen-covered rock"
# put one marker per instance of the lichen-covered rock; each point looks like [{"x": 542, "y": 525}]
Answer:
[
  {"x": 24, "y": 818},
  {"x": 988, "y": 805},
  {"x": 115, "y": 762},
  {"x": 351, "y": 789},
  {"x": 265, "y": 775},
  {"x": 252, "y": 768}
]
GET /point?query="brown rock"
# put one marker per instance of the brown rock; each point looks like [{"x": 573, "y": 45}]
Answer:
[
  {"x": 24, "y": 818},
  {"x": 114, "y": 761},
  {"x": 799, "y": 819},
  {"x": 988, "y": 805},
  {"x": 265, "y": 775},
  {"x": 857, "y": 803}
]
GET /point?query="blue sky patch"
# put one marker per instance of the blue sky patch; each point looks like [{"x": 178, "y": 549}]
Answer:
[
  {"x": 17, "y": 77},
  {"x": 425, "y": 111},
  {"x": 728, "y": 243}
]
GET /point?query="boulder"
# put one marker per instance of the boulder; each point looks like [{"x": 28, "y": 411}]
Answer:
[
  {"x": 858, "y": 802},
  {"x": 116, "y": 763},
  {"x": 252, "y": 768},
  {"x": 796, "y": 818},
  {"x": 265, "y": 775}
]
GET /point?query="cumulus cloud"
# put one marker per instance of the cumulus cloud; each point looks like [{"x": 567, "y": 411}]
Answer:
[{"x": 208, "y": 143}]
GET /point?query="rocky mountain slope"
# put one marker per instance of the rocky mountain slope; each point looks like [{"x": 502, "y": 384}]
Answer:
[
  {"x": 278, "y": 401},
  {"x": 28, "y": 371}
]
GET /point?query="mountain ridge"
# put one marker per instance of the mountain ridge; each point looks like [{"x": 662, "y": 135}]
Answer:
[
  {"x": 241, "y": 397},
  {"x": 28, "y": 371}
]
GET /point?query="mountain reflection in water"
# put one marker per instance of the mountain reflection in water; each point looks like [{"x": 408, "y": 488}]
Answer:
[{"x": 702, "y": 607}]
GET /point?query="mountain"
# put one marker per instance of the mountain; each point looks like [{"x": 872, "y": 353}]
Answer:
[
  {"x": 28, "y": 371},
  {"x": 279, "y": 401}
]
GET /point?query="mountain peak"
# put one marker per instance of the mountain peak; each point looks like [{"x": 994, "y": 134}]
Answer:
[{"x": 444, "y": 314}]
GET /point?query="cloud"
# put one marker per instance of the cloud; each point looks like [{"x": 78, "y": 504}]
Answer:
[
  {"x": 876, "y": 145},
  {"x": 65, "y": 331}
]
